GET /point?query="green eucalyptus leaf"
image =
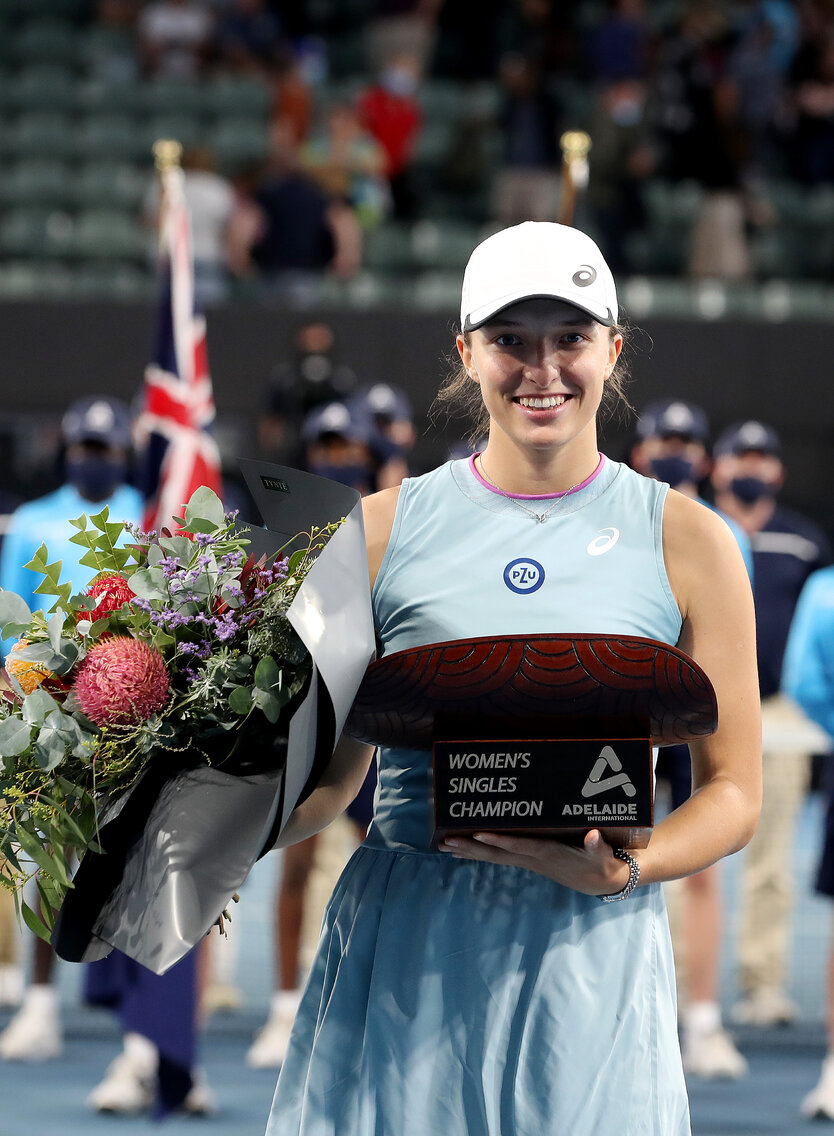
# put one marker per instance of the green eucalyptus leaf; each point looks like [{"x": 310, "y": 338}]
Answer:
[
  {"x": 270, "y": 704},
  {"x": 267, "y": 674},
  {"x": 37, "y": 705},
  {"x": 205, "y": 505},
  {"x": 197, "y": 525},
  {"x": 180, "y": 547},
  {"x": 50, "y": 746},
  {"x": 34, "y": 922},
  {"x": 240, "y": 700},
  {"x": 13, "y": 610},
  {"x": 149, "y": 584},
  {"x": 296, "y": 561},
  {"x": 15, "y": 737},
  {"x": 36, "y": 852},
  {"x": 54, "y": 628}
]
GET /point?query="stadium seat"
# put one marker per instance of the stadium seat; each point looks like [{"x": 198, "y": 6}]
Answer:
[
  {"x": 110, "y": 137},
  {"x": 230, "y": 97},
  {"x": 38, "y": 133},
  {"x": 442, "y": 100},
  {"x": 186, "y": 129},
  {"x": 108, "y": 53},
  {"x": 45, "y": 41},
  {"x": 237, "y": 143},
  {"x": 42, "y": 87},
  {"x": 389, "y": 248},
  {"x": 115, "y": 185},
  {"x": 124, "y": 281},
  {"x": 108, "y": 96},
  {"x": 110, "y": 235},
  {"x": 35, "y": 233},
  {"x": 37, "y": 181},
  {"x": 23, "y": 279},
  {"x": 173, "y": 96},
  {"x": 443, "y": 244}
]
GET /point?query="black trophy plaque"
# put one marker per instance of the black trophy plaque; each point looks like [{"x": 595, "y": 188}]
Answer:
[
  {"x": 584, "y": 709},
  {"x": 554, "y": 786}
]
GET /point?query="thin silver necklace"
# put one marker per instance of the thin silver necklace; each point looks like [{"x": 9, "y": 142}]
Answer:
[{"x": 539, "y": 517}]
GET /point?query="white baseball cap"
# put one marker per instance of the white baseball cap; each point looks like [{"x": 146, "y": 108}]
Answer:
[{"x": 537, "y": 259}]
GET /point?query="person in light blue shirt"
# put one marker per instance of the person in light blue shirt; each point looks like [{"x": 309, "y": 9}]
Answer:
[
  {"x": 511, "y": 985},
  {"x": 96, "y": 436},
  {"x": 808, "y": 678}
]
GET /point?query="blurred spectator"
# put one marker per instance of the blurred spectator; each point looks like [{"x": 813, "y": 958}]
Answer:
[
  {"x": 622, "y": 158},
  {"x": 527, "y": 185},
  {"x": 672, "y": 440},
  {"x": 339, "y": 443},
  {"x": 389, "y": 409},
  {"x": 747, "y": 476},
  {"x": 813, "y": 96},
  {"x": 348, "y": 164},
  {"x": 292, "y": 110},
  {"x": 808, "y": 677},
  {"x": 95, "y": 443},
  {"x": 211, "y": 202},
  {"x": 698, "y": 124},
  {"x": 175, "y": 37},
  {"x": 618, "y": 47},
  {"x": 758, "y": 67},
  {"x": 311, "y": 378},
  {"x": 388, "y": 109},
  {"x": 288, "y": 231},
  {"x": 402, "y": 26},
  {"x": 115, "y": 58},
  {"x": 249, "y": 39},
  {"x": 543, "y": 31}
]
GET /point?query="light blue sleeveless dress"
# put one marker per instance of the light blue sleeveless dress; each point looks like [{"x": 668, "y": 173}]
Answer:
[{"x": 455, "y": 998}]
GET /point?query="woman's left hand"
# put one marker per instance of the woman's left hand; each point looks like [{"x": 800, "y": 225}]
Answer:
[{"x": 591, "y": 867}]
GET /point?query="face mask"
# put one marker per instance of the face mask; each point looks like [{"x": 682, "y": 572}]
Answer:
[
  {"x": 675, "y": 470},
  {"x": 399, "y": 81},
  {"x": 356, "y": 476},
  {"x": 96, "y": 478},
  {"x": 751, "y": 489},
  {"x": 626, "y": 112}
]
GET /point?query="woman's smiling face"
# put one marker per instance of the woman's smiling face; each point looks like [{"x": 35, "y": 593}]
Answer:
[{"x": 541, "y": 365}]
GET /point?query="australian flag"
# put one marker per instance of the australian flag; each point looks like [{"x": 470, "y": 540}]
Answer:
[{"x": 178, "y": 412}]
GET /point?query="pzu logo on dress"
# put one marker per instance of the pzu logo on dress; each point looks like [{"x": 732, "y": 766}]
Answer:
[{"x": 524, "y": 575}]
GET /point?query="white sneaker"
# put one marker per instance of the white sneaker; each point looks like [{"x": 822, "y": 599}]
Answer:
[
  {"x": 125, "y": 1089},
  {"x": 766, "y": 1006},
  {"x": 200, "y": 1100},
  {"x": 712, "y": 1055},
  {"x": 33, "y": 1034},
  {"x": 12, "y": 985},
  {"x": 270, "y": 1045},
  {"x": 222, "y": 997},
  {"x": 819, "y": 1103}
]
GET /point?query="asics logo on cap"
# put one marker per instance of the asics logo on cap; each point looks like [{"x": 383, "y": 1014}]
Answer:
[{"x": 584, "y": 276}]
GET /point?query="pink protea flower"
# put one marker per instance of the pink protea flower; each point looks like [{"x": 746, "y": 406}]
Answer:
[
  {"x": 121, "y": 681},
  {"x": 114, "y": 590}
]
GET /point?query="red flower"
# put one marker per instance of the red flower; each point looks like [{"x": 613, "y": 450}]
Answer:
[
  {"x": 114, "y": 591},
  {"x": 122, "y": 681}
]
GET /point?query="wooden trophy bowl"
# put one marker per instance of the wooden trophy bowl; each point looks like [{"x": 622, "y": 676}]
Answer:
[{"x": 579, "y": 682}]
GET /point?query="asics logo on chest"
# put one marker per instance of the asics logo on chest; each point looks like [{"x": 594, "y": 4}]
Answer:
[{"x": 603, "y": 542}]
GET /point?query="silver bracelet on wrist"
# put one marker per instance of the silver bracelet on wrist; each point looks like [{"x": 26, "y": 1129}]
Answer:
[{"x": 633, "y": 877}]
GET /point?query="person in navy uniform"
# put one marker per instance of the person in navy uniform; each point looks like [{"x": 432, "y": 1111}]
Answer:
[
  {"x": 747, "y": 477},
  {"x": 673, "y": 446}
]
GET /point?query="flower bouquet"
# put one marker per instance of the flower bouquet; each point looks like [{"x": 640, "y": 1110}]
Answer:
[{"x": 170, "y": 716}]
